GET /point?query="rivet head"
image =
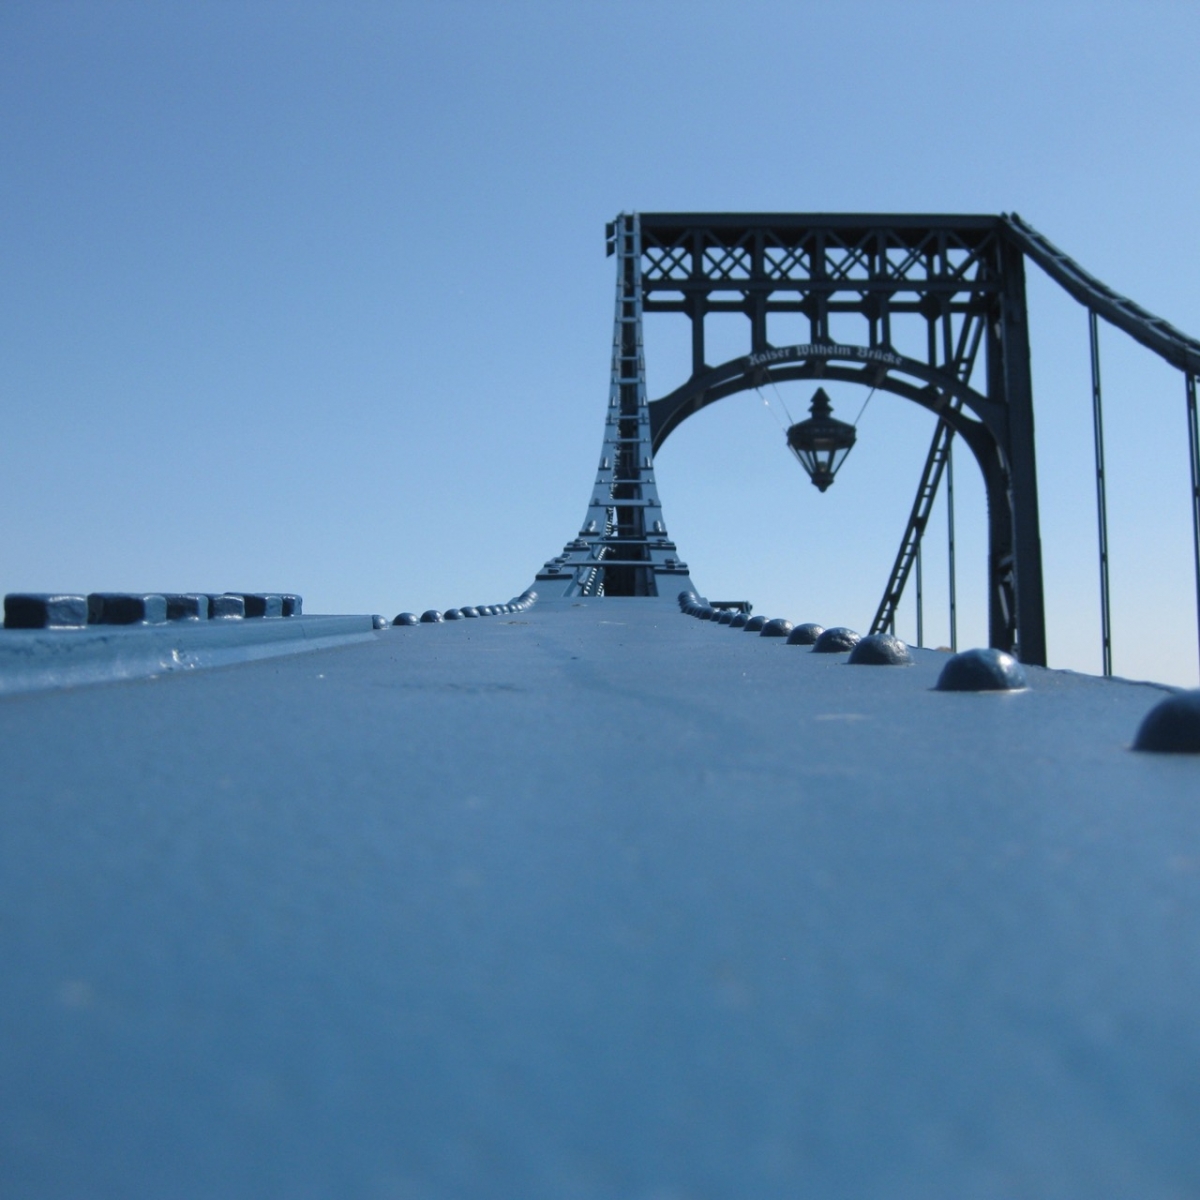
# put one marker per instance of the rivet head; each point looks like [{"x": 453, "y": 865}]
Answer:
[
  {"x": 706, "y": 612},
  {"x": 805, "y": 635},
  {"x": 981, "y": 670},
  {"x": 406, "y": 618},
  {"x": 837, "y": 640},
  {"x": 431, "y": 616},
  {"x": 1172, "y": 726},
  {"x": 724, "y": 617},
  {"x": 378, "y": 622},
  {"x": 452, "y": 614},
  {"x": 685, "y": 596},
  {"x": 738, "y": 620},
  {"x": 470, "y": 611},
  {"x": 880, "y": 650},
  {"x": 754, "y": 624},
  {"x": 776, "y": 627}
]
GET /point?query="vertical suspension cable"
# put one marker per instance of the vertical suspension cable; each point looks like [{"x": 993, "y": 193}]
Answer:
[
  {"x": 920, "y": 600},
  {"x": 1194, "y": 455},
  {"x": 950, "y": 361},
  {"x": 950, "y": 547},
  {"x": 1101, "y": 495}
]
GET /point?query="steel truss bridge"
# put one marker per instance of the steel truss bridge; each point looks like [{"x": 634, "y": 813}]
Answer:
[{"x": 954, "y": 285}]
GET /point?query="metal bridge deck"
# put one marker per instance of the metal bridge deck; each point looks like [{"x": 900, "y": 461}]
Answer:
[{"x": 431, "y": 916}]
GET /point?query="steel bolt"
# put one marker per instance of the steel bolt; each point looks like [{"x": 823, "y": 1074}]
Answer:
[
  {"x": 1172, "y": 726},
  {"x": 754, "y": 624},
  {"x": 805, "y": 635},
  {"x": 431, "y": 616},
  {"x": 880, "y": 650},
  {"x": 981, "y": 671},
  {"x": 406, "y": 618},
  {"x": 777, "y": 627},
  {"x": 837, "y": 640}
]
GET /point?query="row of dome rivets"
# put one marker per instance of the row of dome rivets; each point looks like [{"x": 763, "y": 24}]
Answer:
[
  {"x": 1171, "y": 727},
  {"x": 431, "y": 616},
  {"x": 973, "y": 670}
]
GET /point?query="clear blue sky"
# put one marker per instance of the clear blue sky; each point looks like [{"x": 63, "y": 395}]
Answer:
[{"x": 313, "y": 297}]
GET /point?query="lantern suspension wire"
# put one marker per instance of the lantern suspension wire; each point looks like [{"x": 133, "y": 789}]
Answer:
[
  {"x": 778, "y": 395},
  {"x": 864, "y": 407},
  {"x": 770, "y": 409}
]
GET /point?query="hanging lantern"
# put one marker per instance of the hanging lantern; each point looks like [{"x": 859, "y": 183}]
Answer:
[{"x": 822, "y": 442}]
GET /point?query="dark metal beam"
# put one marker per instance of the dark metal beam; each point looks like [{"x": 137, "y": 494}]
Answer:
[{"x": 1152, "y": 332}]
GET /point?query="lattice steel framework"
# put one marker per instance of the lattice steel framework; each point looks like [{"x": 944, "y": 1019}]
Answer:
[
  {"x": 897, "y": 303},
  {"x": 623, "y": 548}
]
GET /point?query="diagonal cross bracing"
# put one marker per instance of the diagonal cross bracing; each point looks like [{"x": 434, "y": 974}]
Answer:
[{"x": 931, "y": 478}]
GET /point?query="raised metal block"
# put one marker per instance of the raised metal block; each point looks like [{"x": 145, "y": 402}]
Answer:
[
  {"x": 226, "y": 607},
  {"x": 262, "y": 604},
  {"x": 39, "y": 610},
  {"x": 186, "y": 606},
  {"x": 126, "y": 608},
  {"x": 292, "y": 605}
]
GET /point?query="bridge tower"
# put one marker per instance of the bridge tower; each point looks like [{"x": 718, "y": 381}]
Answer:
[
  {"x": 902, "y": 303},
  {"x": 622, "y": 548}
]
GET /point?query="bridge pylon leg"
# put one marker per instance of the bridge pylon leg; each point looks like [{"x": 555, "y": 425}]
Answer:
[
  {"x": 623, "y": 548},
  {"x": 1010, "y": 382}
]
